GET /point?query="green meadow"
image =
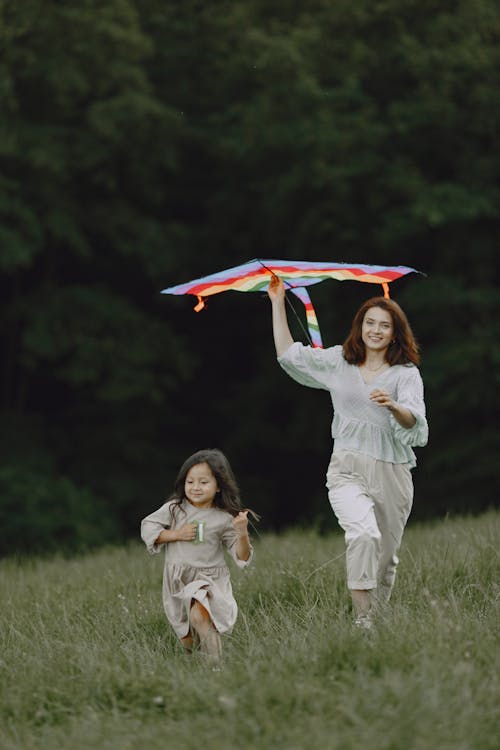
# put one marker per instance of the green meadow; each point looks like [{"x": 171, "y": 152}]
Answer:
[{"x": 87, "y": 658}]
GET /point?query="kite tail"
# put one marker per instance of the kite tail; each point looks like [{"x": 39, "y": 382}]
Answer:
[
  {"x": 201, "y": 304},
  {"x": 312, "y": 321}
]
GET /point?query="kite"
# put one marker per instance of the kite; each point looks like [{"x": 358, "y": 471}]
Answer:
[{"x": 255, "y": 276}]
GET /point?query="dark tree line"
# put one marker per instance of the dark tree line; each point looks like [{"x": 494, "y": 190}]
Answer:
[{"x": 145, "y": 143}]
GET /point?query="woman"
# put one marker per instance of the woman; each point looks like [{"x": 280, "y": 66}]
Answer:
[{"x": 379, "y": 413}]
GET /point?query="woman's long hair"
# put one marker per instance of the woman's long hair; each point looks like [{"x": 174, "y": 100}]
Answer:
[
  {"x": 228, "y": 496},
  {"x": 402, "y": 350}
]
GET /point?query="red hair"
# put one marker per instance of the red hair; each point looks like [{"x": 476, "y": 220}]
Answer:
[{"x": 402, "y": 350}]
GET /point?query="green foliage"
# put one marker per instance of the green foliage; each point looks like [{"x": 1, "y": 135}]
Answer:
[
  {"x": 90, "y": 337},
  {"x": 42, "y": 514},
  {"x": 101, "y": 667}
]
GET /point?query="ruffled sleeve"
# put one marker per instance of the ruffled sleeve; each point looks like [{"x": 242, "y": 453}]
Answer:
[
  {"x": 311, "y": 367},
  {"x": 230, "y": 540},
  {"x": 410, "y": 395},
  {"x": 154, "y": 524}
]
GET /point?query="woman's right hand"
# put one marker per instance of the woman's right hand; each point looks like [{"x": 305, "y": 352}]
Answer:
[
  {"x": 276, "y": 289},
  {"x": 186, "y": 533},
  {"x": 281, "y": 332}
]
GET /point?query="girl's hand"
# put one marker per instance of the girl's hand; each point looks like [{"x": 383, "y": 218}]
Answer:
[
  {"x": 276, "y": 289},
  {"x": 382, "y": 398},
  {"x": 186, "y": 533},
  {"x": 240, "y": 523}
]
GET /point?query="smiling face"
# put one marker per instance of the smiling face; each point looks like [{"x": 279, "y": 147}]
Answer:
[
  {"x": 200, "y": 486},
  {"x": 377, "y": 330}
]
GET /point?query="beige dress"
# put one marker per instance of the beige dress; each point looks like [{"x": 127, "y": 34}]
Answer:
[{"x": 195, "y": 571}]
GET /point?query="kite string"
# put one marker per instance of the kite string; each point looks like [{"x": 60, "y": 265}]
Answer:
[{"x": 305, "y": 331}]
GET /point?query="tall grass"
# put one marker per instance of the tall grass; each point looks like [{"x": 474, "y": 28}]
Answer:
[{"x": 87, "y": 659}]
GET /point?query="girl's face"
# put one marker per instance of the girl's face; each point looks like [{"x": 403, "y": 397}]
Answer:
[
  {"x": 200, "y": 486},
  {"x": 377, "y": 330}
]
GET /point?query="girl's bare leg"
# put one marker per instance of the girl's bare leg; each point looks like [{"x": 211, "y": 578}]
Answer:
[
  {"x": 210, "y": 642},
  {"x": 187, "y": 643}
]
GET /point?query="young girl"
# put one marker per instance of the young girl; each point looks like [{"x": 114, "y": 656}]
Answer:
[
  {"x": 202, "y": 516},
  {"x": 379, "y": 414}
]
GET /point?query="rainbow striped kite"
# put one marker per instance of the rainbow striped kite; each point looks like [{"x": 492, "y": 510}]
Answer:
[{"x": 255, "y": 276}]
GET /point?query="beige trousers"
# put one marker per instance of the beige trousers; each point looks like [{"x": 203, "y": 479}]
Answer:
[{"x": 372, "y": 501}]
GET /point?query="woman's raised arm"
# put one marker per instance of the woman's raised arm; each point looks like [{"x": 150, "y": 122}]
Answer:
[{"x": 281, "y": 332}]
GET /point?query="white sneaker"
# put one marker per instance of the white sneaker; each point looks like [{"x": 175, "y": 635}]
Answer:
[{"x": 363, "y": 622}]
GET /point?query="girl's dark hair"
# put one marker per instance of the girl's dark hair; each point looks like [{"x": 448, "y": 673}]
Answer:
[
  {"x": 402, "y": 350},
  {"x": 228, "y": 497}
]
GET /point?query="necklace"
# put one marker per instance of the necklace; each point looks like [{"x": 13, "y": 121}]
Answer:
[{"x": 375, "y": 369}]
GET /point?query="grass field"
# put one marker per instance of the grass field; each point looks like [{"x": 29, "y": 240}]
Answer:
[{"x": 87, "y": 659}]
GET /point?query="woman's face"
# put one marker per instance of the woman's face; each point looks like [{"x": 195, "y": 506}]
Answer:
[{"x": 377, "y": 330}]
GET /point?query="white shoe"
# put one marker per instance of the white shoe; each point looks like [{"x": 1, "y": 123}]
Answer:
[{"x": 363, "y": 622}]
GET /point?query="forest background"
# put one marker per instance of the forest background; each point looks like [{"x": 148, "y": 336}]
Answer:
[{"x": 144, "y": 143}]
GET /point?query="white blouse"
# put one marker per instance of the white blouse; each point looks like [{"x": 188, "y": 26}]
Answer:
[{"x": 359, "y": 424}]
